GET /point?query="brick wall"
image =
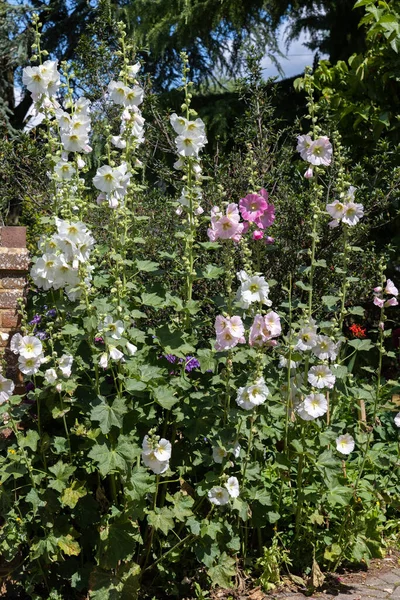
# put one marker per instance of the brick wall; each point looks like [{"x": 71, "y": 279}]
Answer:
[{"x": 14, "y": 266}]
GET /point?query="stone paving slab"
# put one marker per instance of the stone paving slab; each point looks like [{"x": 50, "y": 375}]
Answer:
[{"x": 383, "y": 586}]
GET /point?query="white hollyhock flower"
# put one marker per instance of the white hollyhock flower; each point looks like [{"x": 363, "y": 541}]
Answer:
[
  {"x": 162, "y": 450},
  {"x": 336, "y": 209},
  {"x": 252, "y": 289},
  {"x": 151, "y": 461},
  {"x": 64, "y": 170},
  {"x": 112, "y": 328},
  {"x": 316, "y": 405},
  {"x": 75, "y": 142},
  {"x": 252, "y": 395},
  {"x": 65, "y": 364},
  {"x": 103, "y": 361},
  {"x": 324, "y": 348},
  {"x": 30, "y": 347},
  {"x": 232, "y": 485},
  {"x": 236, "y": 449},
  {"x": 4, "y": 336},
  {"x": 218, "y": 454},
  {"x": 6, "y": 389},
  {"x": 115, "y": 353},
  {"x": 118, "y": 142},
  {"x": 117, "y": 91},
  {"x": 133, "y": 96},
  {"x": 353, "y": 213},
  {"x": 301, "y": 411},
  {"x": 283, "y": 362},
  {"x": 51, "y": 376},
  {"x": 190, "y": 143},
  {"x": 397, "y": 420},
  {"x": 218, "y": 496},
  {"x": 30, "y": 366},
  {"x": 15, "y": 343},
  {"x": 345, "y": 443},
  {"x": 106, "y": 179},
  {"x": 320, "y": 152},
  {"x": 132, "y": 70},
  {"x": 307, "y": 337},
  {"x": 320, "y": 376},
  {"x": 131, "y": 349}
]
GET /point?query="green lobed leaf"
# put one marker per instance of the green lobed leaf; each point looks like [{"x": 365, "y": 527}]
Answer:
[{"x": 109, "y": 415}]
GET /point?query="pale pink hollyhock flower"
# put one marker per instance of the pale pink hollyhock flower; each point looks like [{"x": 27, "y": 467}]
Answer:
[
  {"x": 269, "y": 240},
  {"x": 379, "y": 302},
  {"x": 333, "y": 224},
  {"x": 230, "y": 332},
  {"x": 232, "y": 212},
  {"x": 382, "y": 326},
  {"x": 336, "y": 209},
  {"x": 226, "y": 229},
  {"x": 309, "y": 173},
  {"x": 377, "y": 289},
  {"x": 391, "y": 302},
  {"x": 390, "y": 288},
  {"x": 258, "y": 235},
  {"x": 252, "y": 206},
  {"x": 303, "y": 145},
  {"x": 320, "y": 152},
  {"x": 264, "y": 328},
  {"x": 267, "y": 218},
  {"x": 353, "y": 213}
]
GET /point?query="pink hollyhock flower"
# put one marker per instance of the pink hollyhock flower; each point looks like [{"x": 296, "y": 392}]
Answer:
[
  {"x": 226, "y": 229},
  {"x": 230, "y": 332},
  {"x": 232, "y": 324},
  {"x": 267, "y": 218},
  {"x": 264, "y": 328},
  {"x": 377, "y": 289},
  {"x": 263, "y": 192},
  {"x": 227, "y": 226},
  {"x": 391, "y": 302},
  {"x": 320, "y": 152},
  {"x": 379, "y": 302},
  {"x": 258, "y": 235},
  {"x": 303, "y": 145},
  {"x": 309, "y": 173},
  {"x": 390, "y": 288},
  {"x": 269, "y": 240},
  {"x": 252, "y": 206}
]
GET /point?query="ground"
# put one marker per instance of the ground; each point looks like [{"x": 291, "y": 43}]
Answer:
[{"x": 380, "y": 582}]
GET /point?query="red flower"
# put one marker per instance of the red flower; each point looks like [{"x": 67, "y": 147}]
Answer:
[{"x": 358, "y": 331}]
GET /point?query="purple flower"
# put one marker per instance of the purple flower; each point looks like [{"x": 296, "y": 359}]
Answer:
[
  {"x": 191, "y": 363},
  {"x": 98, "y": 340},
  {"x": 29, "y": 386},
  {"x": 42, "y": 335},
  {"x": 170, "y": 358},
  {"x": 36, "y": 319},
  {"x": 52, "y": 313}
]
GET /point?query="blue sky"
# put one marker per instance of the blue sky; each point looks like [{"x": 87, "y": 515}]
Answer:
[{"x": 298, "y": 56}]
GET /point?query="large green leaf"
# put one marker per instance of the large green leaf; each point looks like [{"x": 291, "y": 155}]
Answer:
[
  {"x": 161, "y": 519},
  {"x": 109, "y": 415},
  {"x": 221, "y": 574},
  {"x": 118, "y": 542}
]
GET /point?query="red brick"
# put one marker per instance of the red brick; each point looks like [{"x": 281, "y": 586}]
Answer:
[
  {"x": 13, "y": 237},
  {"x": 10, "y": 319},
  {"x": 9, "y": 299},
  {"x": 14, "y": 259}
]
